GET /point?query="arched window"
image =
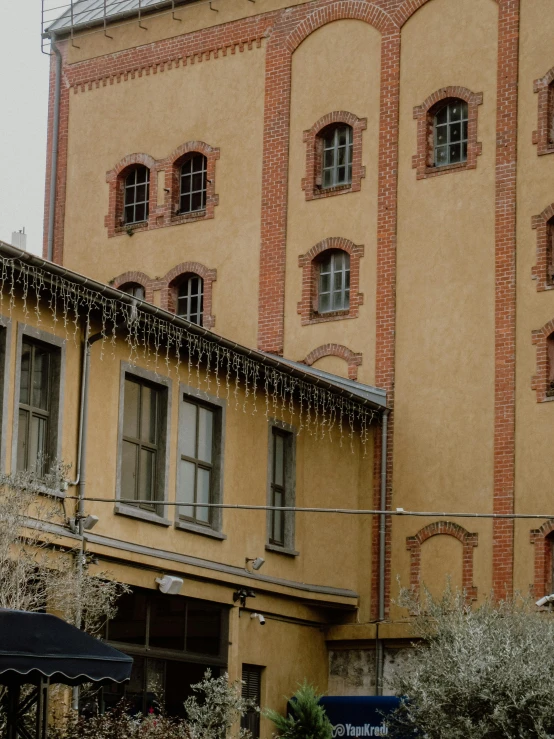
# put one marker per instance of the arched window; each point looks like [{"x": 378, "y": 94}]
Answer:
[
  {"x": 190, "y": 299},
  {"x": 450, "y": 131},
  {"x": 334, "y": 281},
  {"x": 336, "y": 166},
  {"x": 193, "y": 183},
  {"x": 137, "y": 194},
  {"x": 134, "y": 289}
]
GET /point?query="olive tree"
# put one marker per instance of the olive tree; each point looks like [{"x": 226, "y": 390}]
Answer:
[{"x": 484, "y": 672}]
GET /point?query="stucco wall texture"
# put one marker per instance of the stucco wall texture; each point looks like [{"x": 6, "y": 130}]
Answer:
[{"x": 449, "y": 306}]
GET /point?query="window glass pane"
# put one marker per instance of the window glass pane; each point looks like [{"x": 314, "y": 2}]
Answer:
[
  {"x": 441, "y": 135},
  {"x": 41, "y": 371},
  {"x": 188, "y": 430},
  {"x": 325, "y": 283},
  {"x": 196, "y": 201},
  {"x": 129, "y": 471},
  {"x": 129, "y": 214},
  {"x": 324, "y": 302},
  {"x": 203, "y": 494},
  {"x": 37, "y": 445},
  {"x": 341, "y": 135},
  {"x": 129, "y": 624},
  {"x": 140, "y": 212},
  {"x": 167, "y": 622},
  {"x": 149, "y": 414},
  {"x": 464, "y": 152},
  {"x": 341, "y": 175},
  {"x": 455, "y": 153},
  {"x": 187, "y": 166},
  {"x": 203, "y": 629},
  {"x": 131, "y": 409},
  {"x": 441, "y": 155},
  {"x": 455, "y": 132},
  {"x": 342, "y": 155},
  {"x": 197, "y": 181},
  {"x": 338, "y": 280},
  {"x": 205, "y": 434},
  {"x": 464, "y": 130},
  {"x": 186, "y": 488},
  {"x": 140, "y": 193},
  {"x": 279, "y": 467},
  {"x": 327, "y": 178},
  {"x": 147, "y": 474},
  {"x": 24, "y": 380},
  {"x": 442, "y": 115},
  {"x": 328, "y": 158},
  {"x": 198, "y": 163},
  {"x": 455, "y": 111},
  {"x": 22, "y": 439}
]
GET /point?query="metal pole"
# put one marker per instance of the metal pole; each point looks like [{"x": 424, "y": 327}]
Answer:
[
  {"x": 379, "y": 652},
  {"x": 54, "y": 154},
  {"x": 105, "y": 16},
  {"x": 13, "y": 705}
]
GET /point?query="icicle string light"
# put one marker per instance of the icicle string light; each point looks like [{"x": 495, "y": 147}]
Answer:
[{"x": 317, "y": 410}]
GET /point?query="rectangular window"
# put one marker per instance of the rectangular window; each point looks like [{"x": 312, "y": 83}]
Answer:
[
  {"x": 36, "y": 397},
  {"x": 281, "y": 489},
  {"x": 200, "y": 462},
  {"x": 252, "y": 690},
  {"x": 143, "y": 443}
]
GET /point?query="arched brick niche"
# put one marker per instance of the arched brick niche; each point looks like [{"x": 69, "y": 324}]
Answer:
[
  {"x": 543, "y": 539},
  {"x": 543, "y": 381},
  {"x": 543, "y": 271},
  {"x": 171, "y": 282},
  {"x": 543, "y": 137},
  {"x": 312, "y": 182},
  {"x": 353, "y": 360},
  {"x": 443, "y": 528},
  {"x": 309, "y": 262},
  {"x": 424, "y": 114}
]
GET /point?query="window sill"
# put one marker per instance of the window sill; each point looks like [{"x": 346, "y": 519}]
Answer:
[
  {"x": 195, "y": 215},
  {"x": 133, "y": 227},
  {"x": 131, "y": 511},
  {"x": 202, "y": 530},
  {"x": 338, "y": 315},
  {"x": 326, "y": 192},
  {"x": 281, "y": 550},
  {"x": 446, "y": 169}
]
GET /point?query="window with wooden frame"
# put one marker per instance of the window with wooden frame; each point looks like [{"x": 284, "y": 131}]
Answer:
[
  {"x": 200, "y": 462},
  {"x": 34, "y": 443},
  {"x": 190, "y": 299},
  {"x": 142, "y": 453},
  {"x": 252, "y": 690},
  {"x": 281, "y": 487},
  {"x": 193, "y": 182},
  {"x": 136, "y": 199}
]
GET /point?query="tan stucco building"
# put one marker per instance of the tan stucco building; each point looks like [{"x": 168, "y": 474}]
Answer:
[{"x": 365, "y": 187}]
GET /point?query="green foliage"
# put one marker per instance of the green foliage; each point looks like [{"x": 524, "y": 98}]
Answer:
[
  {"x": 483, "y": 672},
  {"x": 307, "y": 719}
]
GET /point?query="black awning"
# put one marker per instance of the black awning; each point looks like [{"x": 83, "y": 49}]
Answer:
[{"x": 39, "y": 646}]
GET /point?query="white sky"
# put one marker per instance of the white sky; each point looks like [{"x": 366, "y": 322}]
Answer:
[{"x": 23, "y": 114}]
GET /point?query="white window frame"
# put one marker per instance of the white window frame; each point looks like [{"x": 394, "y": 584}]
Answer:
[
  {"x": 330, "y": 142},
  {"x": 187, "y": 282},
  {"x": 339, "y": 300}
]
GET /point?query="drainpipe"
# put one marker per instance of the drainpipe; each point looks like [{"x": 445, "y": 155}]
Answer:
[
  {"x": 54, "y": 154},
  {"x": 379, "y": 652}
]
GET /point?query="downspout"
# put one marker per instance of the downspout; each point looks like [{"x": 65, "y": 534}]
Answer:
[
  {"x": 54, "y": 156},
  {"x": 379, "y": 651}
]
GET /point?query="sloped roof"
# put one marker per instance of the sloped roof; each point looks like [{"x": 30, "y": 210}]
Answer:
[{"x": 91, "y": 12}]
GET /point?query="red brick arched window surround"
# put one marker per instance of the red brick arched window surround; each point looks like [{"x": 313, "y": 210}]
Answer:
[
  {"x": 116, "y": 181},
  {"x": 308, "y": 305},
  {"x": 543, "y": 272},
  {"x": 353, "y": 360},
  {"x": 138, "y": 278},
  {"x": 424, "y": 114},
  {"x": 543, "y": 137},
  {"x": 542, "y": 539},
  {"x": 173, "y": 165},
  {"x": 443, "y": 528},
  {"x": 543, "y": 381},
  {"x": 174, "y": 277},
  {"x": 311, "y": 183}
]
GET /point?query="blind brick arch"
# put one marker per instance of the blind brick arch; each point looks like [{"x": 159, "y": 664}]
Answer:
[
  {"x": 353, "y": 360},
  {"x": 443, "y": 528}
]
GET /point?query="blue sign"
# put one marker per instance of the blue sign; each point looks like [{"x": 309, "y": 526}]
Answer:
[{"x": 358, "y": 716}]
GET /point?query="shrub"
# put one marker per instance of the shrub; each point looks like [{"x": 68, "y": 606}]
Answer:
[{"x": 306, "y": 719}]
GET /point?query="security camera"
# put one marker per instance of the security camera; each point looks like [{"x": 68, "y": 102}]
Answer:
[
  {"x": 544, "y": 600},
  {"x": 257, "y": 562},
  {"x": 169, "y": 584},
  {"x": 260, "y": 618}
]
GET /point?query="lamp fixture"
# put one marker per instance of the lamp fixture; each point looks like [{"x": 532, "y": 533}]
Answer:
[
  {"x": 242, "y": 594},
  {"x": 257, "y": 562}
]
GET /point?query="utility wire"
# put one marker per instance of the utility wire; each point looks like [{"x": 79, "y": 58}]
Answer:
[{"x": 340, "y": 511}]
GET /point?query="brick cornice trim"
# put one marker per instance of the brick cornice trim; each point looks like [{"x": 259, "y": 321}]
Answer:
[
  {"x": 423, "y": 114},
  {"x": 353, "y": 359},
  {"x": 311, "y": 184},
  {"x": 542, "y": 542},
  {"x": 543, "y": 137},
  {"x": 307, "y": 307},
  {"x": 443, "y": 528},
  {"x": 543, "y": 271},
  {"x": 171, "y": 53}
]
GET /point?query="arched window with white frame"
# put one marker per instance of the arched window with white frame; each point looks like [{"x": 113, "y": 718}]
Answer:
[
  {"x": 334, "y": 281},
  {"x": 337, "y": 151}
]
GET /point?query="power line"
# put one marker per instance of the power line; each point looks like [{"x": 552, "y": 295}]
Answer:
[{"x": 336, "y": 511}]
